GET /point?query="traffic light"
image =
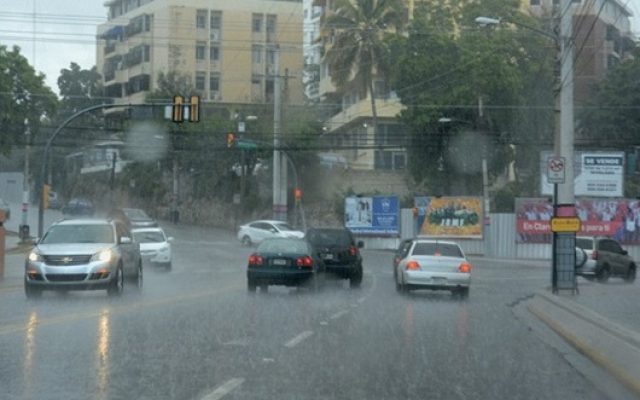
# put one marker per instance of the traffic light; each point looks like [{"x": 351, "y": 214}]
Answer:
[
  {"x": 177, "y": 110},
  {"x": 45, "y": 196},
  {"x": 297, "y": 194},
  {"x": 194, "y": 109},
  {"x": 231, "y": 139}
]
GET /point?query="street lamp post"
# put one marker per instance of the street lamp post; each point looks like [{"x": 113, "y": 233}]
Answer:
[{"x": 563, "y": 262}]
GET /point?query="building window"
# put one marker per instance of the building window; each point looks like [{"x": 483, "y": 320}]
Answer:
[
  {"x": 271, "y": 23},
  {"x": 214, "y": 53},
  {"x": 271, "y": 56},
  {"x": 215, "y": 20},
  {"x": 256, "y": 23},
  {"x": 201, "y": 19},
  {"x": 534, "y": 2},
  {"x": 200, "y": 51},
  {"x": 200, "y": 81},
  {"x": 139, "y": 83},
  {"x": 214, "y": 82},
  {"x": 256, "y": 54}
]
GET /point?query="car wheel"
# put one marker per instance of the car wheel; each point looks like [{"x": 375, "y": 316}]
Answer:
[
  {"x": 604, "y": 274},
  {"x": 463, "y": 292},
  {"x": 356, "y": 278},
  {"x": 399, "y": 288},
  {"x": 168, "y": 266},
  {"x": 116, "y": 286},
  {"x": 32, "y": 292},
  {"x": 139, "y": 278},
  {"x": 246, "y": 241},
  {"x": 264, "y": 288},
  {"x": 251, "y": 286},
  {"x": 631, "y": 274}
]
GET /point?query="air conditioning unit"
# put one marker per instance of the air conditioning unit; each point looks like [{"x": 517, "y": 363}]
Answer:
[
  {"x": 271, "y": 70},
  {"x": 215, "y": 35},
  {"x": 215, "y": 96}
]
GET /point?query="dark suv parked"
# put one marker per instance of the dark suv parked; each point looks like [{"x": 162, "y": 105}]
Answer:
[
  {"x": 339, "y": 252},
  {"x": 602, "y": 257}
]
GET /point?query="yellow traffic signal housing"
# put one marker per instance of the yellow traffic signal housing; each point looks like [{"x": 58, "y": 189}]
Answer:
[
  {"x": 177, "y": 110},
  {"x": 194, "y": 109},
  {"x": 231, "y": 139}
]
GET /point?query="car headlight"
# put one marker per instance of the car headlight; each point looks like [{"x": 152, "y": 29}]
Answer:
[
  {"x": 104, "y": 256},
  {"x": 163, "y": 249},
  {"x": 35, "y": 256}
]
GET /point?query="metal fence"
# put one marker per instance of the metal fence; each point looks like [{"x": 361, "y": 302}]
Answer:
[{"x": 501, "y": 234}]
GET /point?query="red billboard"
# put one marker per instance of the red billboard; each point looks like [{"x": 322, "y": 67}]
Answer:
[{"x": 618, "y": 218}]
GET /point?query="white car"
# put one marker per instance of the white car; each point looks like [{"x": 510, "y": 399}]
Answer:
[
  {"x": 257, "y": 231},
  {"x": 436, "y": 265},
  {"x": 155, "y": 246}
]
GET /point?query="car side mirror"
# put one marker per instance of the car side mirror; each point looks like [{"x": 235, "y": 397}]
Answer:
[
  {"x": 274, "y": 230},
  {"x": 125, "y": 240},
  {"x": 170, "y": 239},
  {"x": 360, "y": 244},
  {"x": 624, "y": 252}
]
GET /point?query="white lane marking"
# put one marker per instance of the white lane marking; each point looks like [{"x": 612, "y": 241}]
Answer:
[
  {"x": 324, "y": 323},
  {"x": 225, "y": 389},
  {"x": 338, "y": 314},
  {"x": 361, "y": 300},
  {"x": 298, "y": 339}
]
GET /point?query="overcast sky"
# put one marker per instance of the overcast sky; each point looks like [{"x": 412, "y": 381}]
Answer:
[{"x": 65, "y": 31}]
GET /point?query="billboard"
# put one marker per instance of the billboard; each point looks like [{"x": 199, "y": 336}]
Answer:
[
  {"x": 453, "y": 217},
  {"x": 618, "y": 218},
  {"x": 596, "y": 174},
  {"x": 377, "y": 215}
]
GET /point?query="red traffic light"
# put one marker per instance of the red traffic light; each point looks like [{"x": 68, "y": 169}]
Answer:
[{"x": 231, "y": 139}]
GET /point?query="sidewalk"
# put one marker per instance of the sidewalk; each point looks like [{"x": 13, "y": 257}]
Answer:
[{"x": 608, "y": 344}]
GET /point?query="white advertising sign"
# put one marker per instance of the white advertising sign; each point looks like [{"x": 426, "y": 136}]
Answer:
[{"x": 596, "y": 174}]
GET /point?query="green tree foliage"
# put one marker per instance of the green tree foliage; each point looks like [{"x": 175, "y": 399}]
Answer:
[
  {"x": 612, "y": 116},
  {"x": 360, "y": 51},
  {"x": 471, "y": 91},
  {"x": 23, "y": 97},
  {"x": 79, "y": 88}
]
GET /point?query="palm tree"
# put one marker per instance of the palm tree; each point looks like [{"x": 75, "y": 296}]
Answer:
[{"x": 359, "y": 51}]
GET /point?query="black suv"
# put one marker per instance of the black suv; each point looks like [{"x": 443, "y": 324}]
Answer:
[{"x": 339, "y": 252}]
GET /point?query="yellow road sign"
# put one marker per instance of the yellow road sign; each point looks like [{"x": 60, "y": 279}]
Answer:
[{"x": 566, "y": 224}]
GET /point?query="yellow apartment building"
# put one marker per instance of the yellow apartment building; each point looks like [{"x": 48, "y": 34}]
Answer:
[{"x": 228, "y": 48}]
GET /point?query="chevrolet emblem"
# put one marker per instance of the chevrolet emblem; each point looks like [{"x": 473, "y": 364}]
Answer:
[{"x": 66, "y": 260}]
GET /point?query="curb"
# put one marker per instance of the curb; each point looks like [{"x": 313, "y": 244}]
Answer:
[{"x": 609, "y": 345}]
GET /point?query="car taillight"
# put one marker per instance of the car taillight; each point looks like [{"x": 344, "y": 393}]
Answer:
[
  {"x": 353, "y": 250},
  {"x": 594, "y": 255},
  {"x": 465, "y": 267},
  {"x": 412, "y": 265},
  {"x": 255, "y": 260},
  {"x": 305, "y": 261}
]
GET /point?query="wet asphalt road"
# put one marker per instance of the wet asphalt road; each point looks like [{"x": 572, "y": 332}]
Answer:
[{"x": 195, "y": 333}]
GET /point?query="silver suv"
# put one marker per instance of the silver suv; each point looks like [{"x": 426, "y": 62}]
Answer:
[
  {"x": 83, "y": 254},
  {"x": 602, "y": 257}
]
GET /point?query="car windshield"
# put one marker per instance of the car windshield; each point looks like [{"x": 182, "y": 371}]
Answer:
[
  {"x": 283, "y": 246},
  {"x": 148, "y": 236},
  {"x": 283, "y": 227},
  {"x": 135, "y": 214},
  {"x": 329, "y": 237},
  {"x": 389, "y": 138},
  {"x": 436, "y": 249},
  {"x": 93, "y": 233}
]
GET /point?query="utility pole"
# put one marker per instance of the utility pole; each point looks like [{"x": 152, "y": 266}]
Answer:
[
  {"x": 279, "y": 173},
  {"x": 112, "y": 180},
  {"x": 24, "y": 222}
]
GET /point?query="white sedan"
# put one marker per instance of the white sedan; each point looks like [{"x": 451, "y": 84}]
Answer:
[
  {"x": 257, "y": 231},
  {"x": 435, "y": 265},
  {"x": 155, "y": 246}
]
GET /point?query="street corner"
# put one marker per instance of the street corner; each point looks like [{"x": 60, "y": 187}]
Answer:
[
  {"x": 20, "y": 248},
  {"x": 611, "y": 346}
]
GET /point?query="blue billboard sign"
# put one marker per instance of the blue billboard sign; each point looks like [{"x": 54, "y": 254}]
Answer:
[{"x": 376, "y": 216}]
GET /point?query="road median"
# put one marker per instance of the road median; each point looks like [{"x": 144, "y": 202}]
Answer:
[{"x": 609, "y": 345}]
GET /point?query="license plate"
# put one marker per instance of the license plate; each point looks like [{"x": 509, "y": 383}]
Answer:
[
  {"x": 439, "y": 281},
  {"x": 279, "y": 261},
  {"x": 328, "y": 256}
]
